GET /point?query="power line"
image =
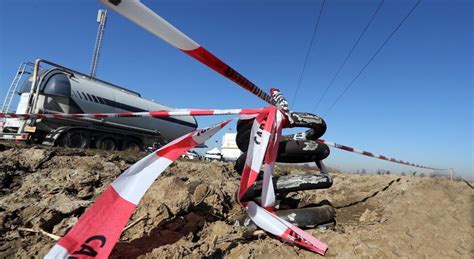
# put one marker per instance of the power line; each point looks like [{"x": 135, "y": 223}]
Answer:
[
  {"x": 372, "y": 58},
  {"x": 309, "y": 51},
  {"x": 348, "y": 56}
]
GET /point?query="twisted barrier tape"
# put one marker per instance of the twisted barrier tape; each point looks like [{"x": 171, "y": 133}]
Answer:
[
  {"x": 263, "y": 146},
  {"x": 370, "y": 154},
  {"x": 144, "y": 17},
  {"x": 265, "y": 135},
  {"x": 99, "y": 228}
]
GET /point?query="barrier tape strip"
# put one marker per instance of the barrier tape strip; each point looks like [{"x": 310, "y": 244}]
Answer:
[
  {"x": 265, "y": 136},
  {"x": 164, "y": 113},
  {"x": 99, "y": 228},
  {"x": 370, "y": 154},
  {"x": 144, "y": 17},
  {"x": 147, "y": 19},
  {"x": 200, "y": 112},
  {"x": 259, "y": 138},
  {"x": 268, "y": 197}
]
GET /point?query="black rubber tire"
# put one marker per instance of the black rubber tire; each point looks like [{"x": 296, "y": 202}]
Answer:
[
  {"x": 304, "y": 217},
  {"x": 240, "y": 163},
  {"x": 310, "y": 134},
  {"x": 307, "y": 120},
  {"x": 244, "y": 128},
  {"x": 75, "y": 139},
  {"x": 302, "y": 119},
  {"x": 107, "y": 144},
  {"x": 244, "y": 124},
  {"x": 290, "y": 183},
  {"x": 301, "y": 151},
  {"x": 293, "y": 151}
]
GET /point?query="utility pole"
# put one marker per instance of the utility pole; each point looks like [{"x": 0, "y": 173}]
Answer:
[{"x": 101, "y": 20}]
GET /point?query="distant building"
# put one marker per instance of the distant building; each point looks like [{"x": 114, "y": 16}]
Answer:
[{"x": 229, "y": 149}]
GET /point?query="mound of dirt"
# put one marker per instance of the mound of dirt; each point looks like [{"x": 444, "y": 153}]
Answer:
[{"x": 190, "y": 210}]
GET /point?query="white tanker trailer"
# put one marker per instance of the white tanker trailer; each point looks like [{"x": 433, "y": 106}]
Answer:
[{"x": 62, "y": 90}]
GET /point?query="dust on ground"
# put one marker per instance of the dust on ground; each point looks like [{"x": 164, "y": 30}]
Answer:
[{"x": 190, "y": 210}]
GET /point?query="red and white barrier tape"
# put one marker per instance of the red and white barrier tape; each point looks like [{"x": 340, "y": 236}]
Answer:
[
  {"x": 263, "y": 146},
  {"x": 99, "y": 228},
  {"x": 370, "y": 154},
  {"x": 199, "y": 112},
  {"x": 138, "y": 13},
  {"x": 167, "y": 113}
]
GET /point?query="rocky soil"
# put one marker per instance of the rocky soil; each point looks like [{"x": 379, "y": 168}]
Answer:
[{"x": 190, "y": 211}]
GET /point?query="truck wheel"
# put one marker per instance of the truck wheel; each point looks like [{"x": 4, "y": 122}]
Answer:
[
  {"x": 132, "y": 146},
  {"x": 107, "y": 144},
  {"x": 75, "y": 139}
]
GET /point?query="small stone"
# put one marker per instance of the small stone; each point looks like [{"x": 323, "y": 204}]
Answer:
[{"x": 200, "y": 193}]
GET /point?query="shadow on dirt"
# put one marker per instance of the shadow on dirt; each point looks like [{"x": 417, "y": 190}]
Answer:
[{"x": 169, "y": 231}]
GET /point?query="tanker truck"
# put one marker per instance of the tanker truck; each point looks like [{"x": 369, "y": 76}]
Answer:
[{"x": 52, "y": 88}]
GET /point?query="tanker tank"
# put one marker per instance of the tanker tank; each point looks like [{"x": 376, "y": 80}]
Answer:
[{"x": 62, "y": 90}]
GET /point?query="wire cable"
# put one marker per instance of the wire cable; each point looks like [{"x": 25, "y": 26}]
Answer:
[
  {"x": 373, "y": 57},
  {"x": 348, "y": 56},
  {"x": 316, "y": 26}
]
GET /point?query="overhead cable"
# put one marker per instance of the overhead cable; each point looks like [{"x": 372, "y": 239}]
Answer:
[
  {"x": 373, "y": 57},
  {"x": 313, "y": 37},
  {"x": 348, "y": 56}
]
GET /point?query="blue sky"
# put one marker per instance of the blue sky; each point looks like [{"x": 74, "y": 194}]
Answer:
[{"x": 414, "y": 102}]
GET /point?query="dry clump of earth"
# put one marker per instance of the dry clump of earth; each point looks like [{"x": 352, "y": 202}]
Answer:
[{"x": 190, "y": 210}]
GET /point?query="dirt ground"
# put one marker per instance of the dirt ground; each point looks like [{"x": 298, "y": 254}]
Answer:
[{"x": 190, "y": 211}]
